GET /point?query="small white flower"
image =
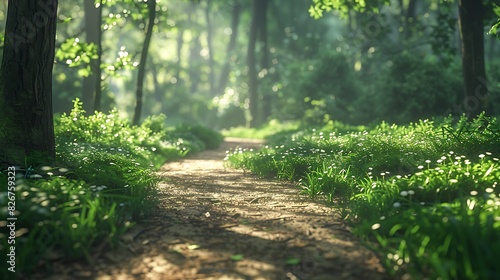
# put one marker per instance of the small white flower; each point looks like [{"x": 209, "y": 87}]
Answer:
[
  {"x": 403, "y": 193},
  {"x": 396, "y": 205},
  {"x": 375, "y": 226}
]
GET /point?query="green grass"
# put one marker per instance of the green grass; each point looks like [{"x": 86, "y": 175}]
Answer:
[
  {"x": 424, "y": 196},
  {"x": 101, "y": 183}
]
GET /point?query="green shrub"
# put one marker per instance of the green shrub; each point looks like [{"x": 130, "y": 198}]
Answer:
[{"x": 411, "y": 88}]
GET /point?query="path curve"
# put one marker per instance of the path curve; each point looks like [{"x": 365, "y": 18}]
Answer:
[{"x": 219, "y": 223}]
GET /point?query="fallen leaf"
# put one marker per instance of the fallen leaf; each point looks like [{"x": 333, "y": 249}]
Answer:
[
  {"x": 237, "y": 257},
  {"x": 293, "y": 261}
]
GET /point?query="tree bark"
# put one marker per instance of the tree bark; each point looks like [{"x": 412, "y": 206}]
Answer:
[
  {"x": 92, "y": 33},
  {"x": 180, "y": 44},
  {"x": 410, "y": 18},
  {"x": 142, "y": 62},
  {"x": 251, "y": 63},
  {"x": 97, "y": 70},
  {"x": 264, "y": 61},
  {"x": 471, "y": 14},
  {"x": 235, "y": 20},
  {"x": 211, "y": 74},
  {"x": 26, "y": 121},
  {"x": 194, "y": 49}
]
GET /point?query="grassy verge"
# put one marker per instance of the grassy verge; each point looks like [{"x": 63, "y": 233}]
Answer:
[
  {"x": 424, "y": 196},
  {"x": 103, "y": 181}
]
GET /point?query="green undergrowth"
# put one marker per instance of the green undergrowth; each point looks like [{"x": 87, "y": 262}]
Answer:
[
  {"x": 424, "y": 196},
  {"x": 102, "y": 182},
  {"x": 266, "y": 130}
]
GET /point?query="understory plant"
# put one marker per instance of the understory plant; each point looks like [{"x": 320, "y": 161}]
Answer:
[
  {"x": 102, "y": 182},
  {"x": 424, "y": 196}
]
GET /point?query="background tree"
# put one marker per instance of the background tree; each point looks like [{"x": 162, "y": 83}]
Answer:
[
  {"x": 93, "y": 33},
  {"x": 151, "y": 7},
  {"x": 471, "y": 17},
  {"x": 252, "y": 63},
  {"x": 235, "y": 20},
  {"x": 26, "y": 81}
]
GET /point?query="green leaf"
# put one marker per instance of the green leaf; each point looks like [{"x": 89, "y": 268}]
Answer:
[
  {"x": 84, "y": 72},
  {"x": 488, "y": 171},
  {"x": 237, "y": 257},
  {"x": 293, "y": 261}
]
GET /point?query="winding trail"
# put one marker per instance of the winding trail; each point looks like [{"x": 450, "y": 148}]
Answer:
[{"x": 220, "y": 223}]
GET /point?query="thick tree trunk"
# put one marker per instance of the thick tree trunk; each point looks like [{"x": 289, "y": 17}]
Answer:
[
  {"x": 235, "y": 20},
  {"x": 92, "y": 33},
  {"x": 471, "y": 13},
  {"x": 26, "y": 121},
  {"x": 251, "y": 63},
  {"x": 142, "y": 63}
]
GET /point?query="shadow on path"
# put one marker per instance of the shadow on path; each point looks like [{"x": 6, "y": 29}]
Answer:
[{"x": 217, "y": 223}]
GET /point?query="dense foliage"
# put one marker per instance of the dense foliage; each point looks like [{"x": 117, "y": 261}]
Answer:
[
  {"x": 398, "y": 65},
  {"x": 103, "y": 181},
  {"x": 425, "y": 196}
]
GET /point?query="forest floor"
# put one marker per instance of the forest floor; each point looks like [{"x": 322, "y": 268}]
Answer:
[{"x": 219, "y": 223}]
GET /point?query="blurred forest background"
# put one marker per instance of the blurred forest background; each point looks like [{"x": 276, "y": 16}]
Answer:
[{"x": 400, "y": 65}]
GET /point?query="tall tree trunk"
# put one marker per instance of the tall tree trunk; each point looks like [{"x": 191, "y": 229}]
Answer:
[
  {"x": 264, "y": 61},
  {"x": 26, "y": 121},
  {"x": 142, "y": 62},
  {"x": 471, "y": 13},
  {"x": 97, "y": 69},
  {"x": 194, "y": 50},
  {"x": 92, "y": 34},
  {"x": 411, "y": 13},
  {"x": 194, "y": 64},
  {"x": 224, "y": 76},
  {"x": 180, "y": 44},
  {"x": 251, "y": 63},
  {"x": 158, "y": 93},
  {"x": 211, "y": 74}
]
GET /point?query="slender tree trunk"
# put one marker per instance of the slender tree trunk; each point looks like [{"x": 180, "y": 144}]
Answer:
[
  {"x": 410, "y": 18},
  {"x": 26, "y": 121},
  {"x": 180, "y": 44},
  {"x": 471, "y": 13},
  {"x": 264, "y": 61},
  {"x": 194, "y": 50},
  {"x": 224, "y": 76},
  {"x": 92, "y": 30},
  {"x": 158, "y": 94},
  {"x": 211, "y": 74},
  {"x": 194, "y": 64},
  {"x": 142, "y": 63},
  {"x": 251, "y": 63},
  {"x": 98, "y": 61}
]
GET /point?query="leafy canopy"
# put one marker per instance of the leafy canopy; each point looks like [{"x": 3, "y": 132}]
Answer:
[{"x": 344, "y": 6}]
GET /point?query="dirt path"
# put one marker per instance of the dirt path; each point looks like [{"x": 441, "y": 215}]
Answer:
[{"x": 217, "y": 223}]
